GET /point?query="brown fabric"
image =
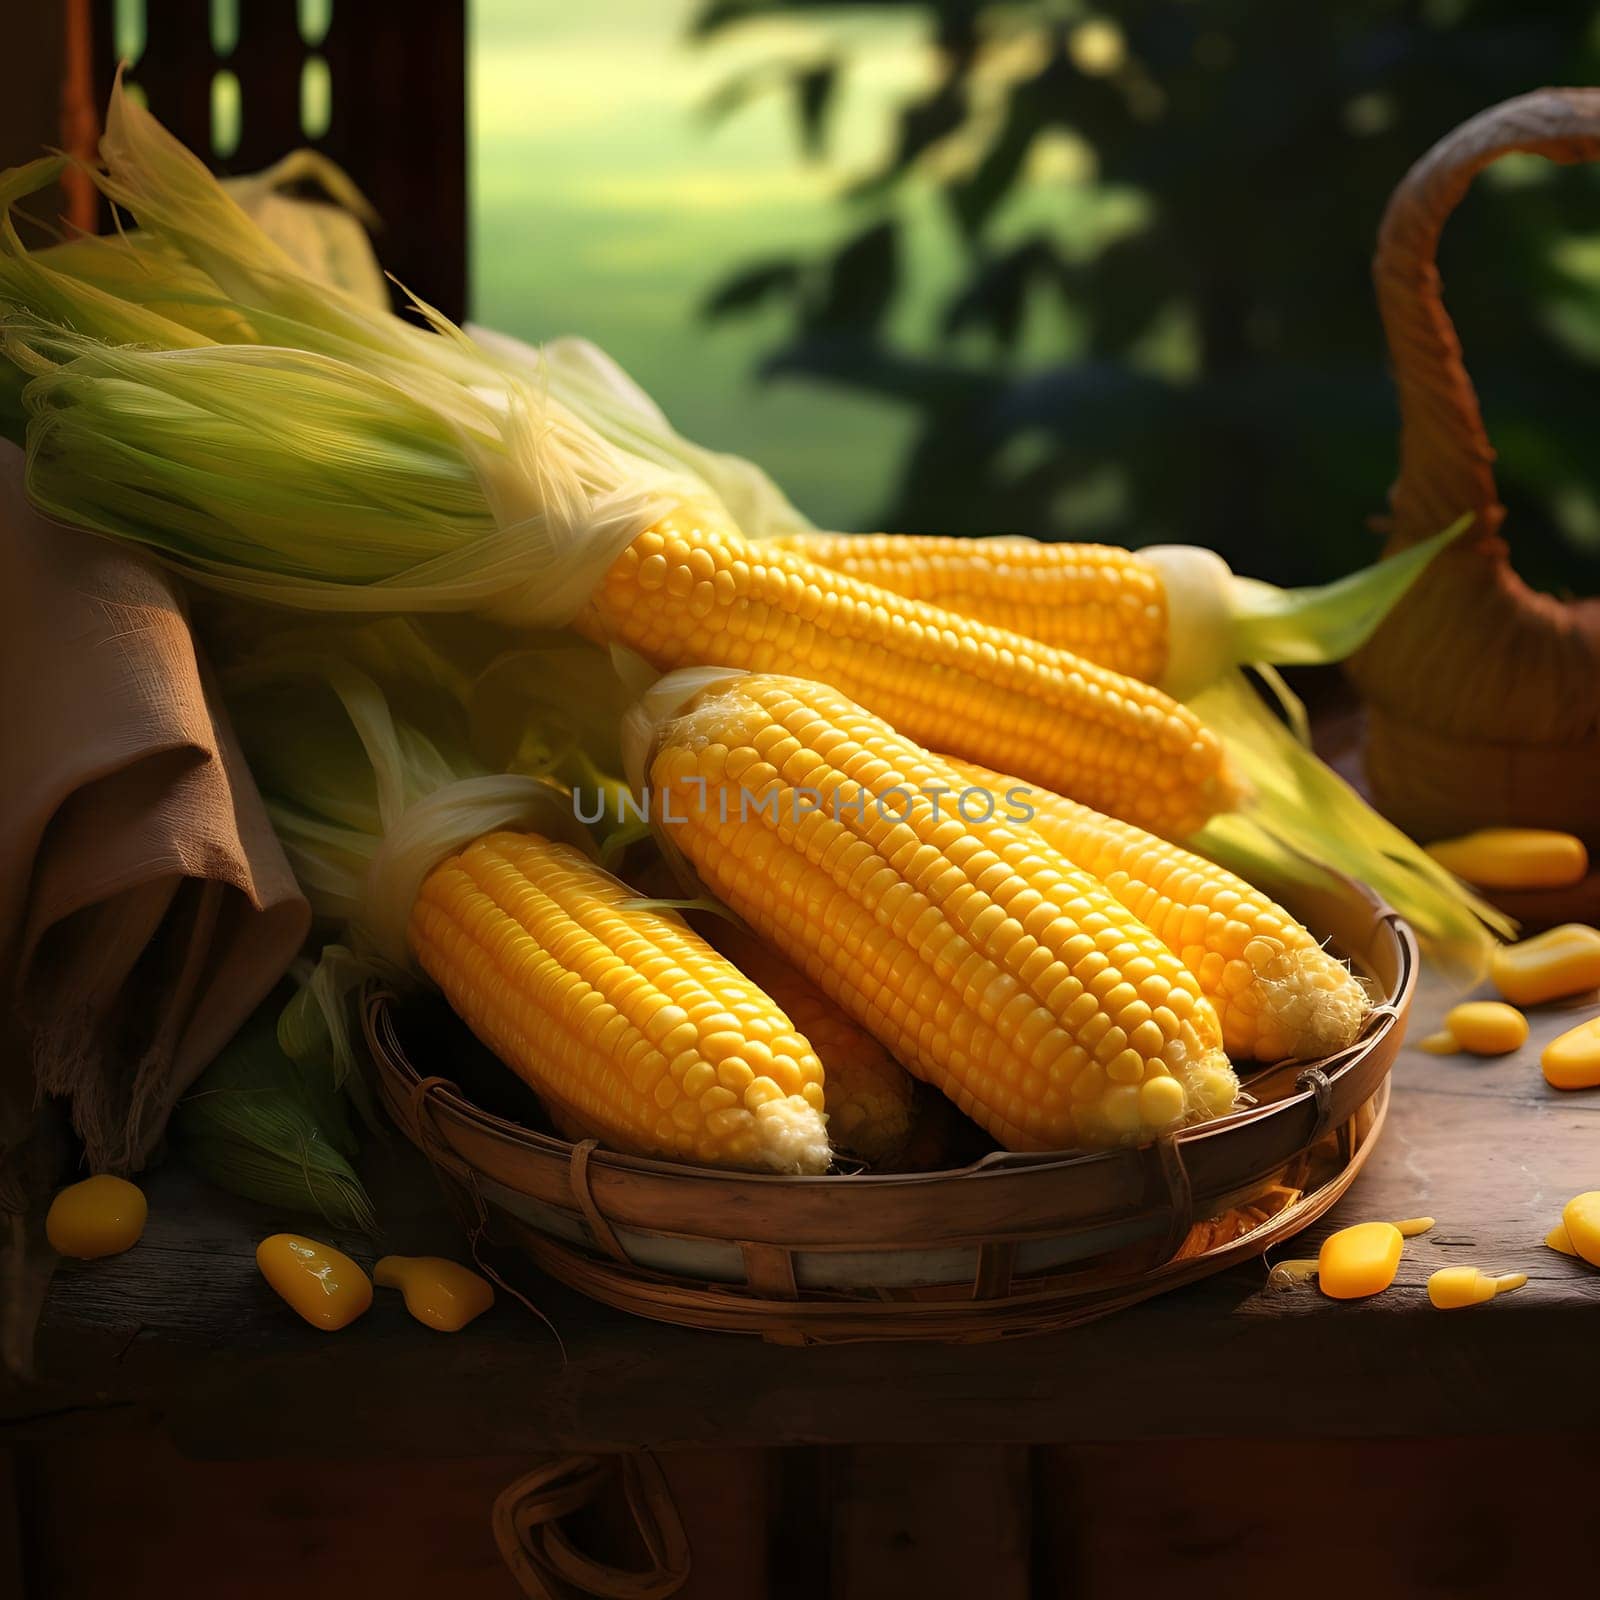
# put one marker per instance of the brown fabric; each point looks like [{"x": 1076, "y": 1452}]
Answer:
[{"x": 145, "y": 905}]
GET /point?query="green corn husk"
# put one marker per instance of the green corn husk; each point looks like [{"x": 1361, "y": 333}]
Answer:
[
  {"x": 267, "y": 1127},
  {"x": 1302, "y": 813},
  {"x": 313, "y": 449},
  {"x": 328, "y": 242},
  {"x": 540, "y": 703},
  {"x": 596, "y": 389},
  {"x": 368, "y": 785}
]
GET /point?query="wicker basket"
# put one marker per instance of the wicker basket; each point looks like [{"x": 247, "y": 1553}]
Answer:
[
  {"x": 1483, "y": 696},
  {"x": 1013, "y": 1244}
]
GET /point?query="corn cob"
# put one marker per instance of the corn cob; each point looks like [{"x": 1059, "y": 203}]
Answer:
[
  {"x": 628, "y": 1023},
  {"x": 1277, "y": 992},
  {"x": 940, "y": 1136},
  {"x": 1105, "y": 604},
  {"x": 988, "y": 965},
  {"x": 693, "y": 591},
  {"x": 869, "y": 1095}
]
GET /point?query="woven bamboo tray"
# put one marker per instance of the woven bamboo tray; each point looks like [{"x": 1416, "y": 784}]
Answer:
[{"x": 1013, "y": 1244}]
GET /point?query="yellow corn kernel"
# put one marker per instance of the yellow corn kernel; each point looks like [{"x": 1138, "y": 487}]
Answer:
[
  {"x": 869, "y": 1096},
  {"x": 544, "y": 956},
  {"x": 1514, "y": 858},
  {"x": 980, "y": 958},
  {"x": 323, "y": 1284},
  {"x": 979, "y": 692},
  {"x": 1550, "y": 966},
  {"x": 1572, "y": 1059},
  {"x": 1557, "y": 1240},
  {"x": 1442, "y": 1043},
  {"x": 1291, "y": 1274},
  {"x": 443, "y": 1294},
  {"x": 1410, "y": 1227},
  {"x": 1581, "y": 1218},
  {"x": 1487, "y": 1027},
  {"x": 1278, "y": 993},
  {"x": 102, "y": 1216},
  {"x": 1451, "y": 1287},
  {"x": 1356, "y": 1258},
  {"x": 1105, "y": 604},
  {"x": 1359, "y": 1261}
]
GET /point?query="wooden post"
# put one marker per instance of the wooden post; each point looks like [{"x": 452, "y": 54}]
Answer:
[
  {"x": 13, "y": 1571},
  {"x": 80, "y": 116},
  {"x": 954, "y": 1520},
  {"x": 30, "y": 107},
  {"x": 396, "y": 78}
]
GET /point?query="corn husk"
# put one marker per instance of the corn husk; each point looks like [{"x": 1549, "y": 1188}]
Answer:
[
  {"x": 1303, "y": 817},
  {"x": 270, "y": 1128},
  {"x": 306, "y": 447},
  {"x": 369, "y": 785},
  {"x": 365, "y": 801},
  {"x": 596, "y": 389}
]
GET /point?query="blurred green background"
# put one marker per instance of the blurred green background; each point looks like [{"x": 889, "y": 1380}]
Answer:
[
  {"x": 1088, "y": 272},
  {"x": 606, "y": 202}
]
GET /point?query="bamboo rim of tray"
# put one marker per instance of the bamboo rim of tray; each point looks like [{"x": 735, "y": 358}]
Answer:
[{"x": 1063, "y": 1302}]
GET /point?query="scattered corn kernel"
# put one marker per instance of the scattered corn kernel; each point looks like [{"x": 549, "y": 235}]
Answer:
[
  {"x": 1359, "y": 1261},
  {"x": 1557, "y": 1240},
  {"x": 102, "y": 1216},
  {"x": 1549, "y": 966},
  {"x": 1487, "y": 1027},
  {"x": 1581, "y": 1218},
  {"x": 1353, "y": 1257},
  {"x": 323, "y": 1284},
  {"x": 443, "y": 1294},
  {"x": 1514, "y": 858},
  {"x": 1289, "y": 1274},
  {"x": 1442, "y": 1043},
  {"x": 1451, "y": 1287},
  {"x": 1572, "y": 1060}
]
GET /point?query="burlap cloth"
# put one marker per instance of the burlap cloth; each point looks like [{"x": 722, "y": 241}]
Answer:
[{"x": 145, "y": 905}]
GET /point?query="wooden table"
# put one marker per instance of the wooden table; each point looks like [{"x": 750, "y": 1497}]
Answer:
[{"x": 182, "y": 1334}]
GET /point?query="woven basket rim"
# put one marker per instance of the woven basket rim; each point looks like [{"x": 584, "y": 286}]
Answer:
[
  {"x": 1022, "y": 1309},
  {"x": 1383, "y": 945},
  {"x": 378, "y": 999}
]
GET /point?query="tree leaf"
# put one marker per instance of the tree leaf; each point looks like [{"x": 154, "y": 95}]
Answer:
[
  {"x": 861, "y": 280},
  {"x": 715, "y": 15},
  {"x": 753, "y": 287},
  {"x": 814, "y": 89},
  {"x": 996, "y": 297}
]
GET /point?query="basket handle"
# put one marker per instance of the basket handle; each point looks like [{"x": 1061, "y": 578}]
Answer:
[{"x": 1446, "y": 460}]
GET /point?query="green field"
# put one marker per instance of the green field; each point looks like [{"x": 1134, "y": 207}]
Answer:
[{"x": 605, "y": 203}]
